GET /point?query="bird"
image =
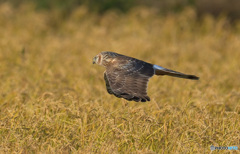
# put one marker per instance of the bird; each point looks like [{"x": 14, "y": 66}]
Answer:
[{"x": 127, "y": 77}]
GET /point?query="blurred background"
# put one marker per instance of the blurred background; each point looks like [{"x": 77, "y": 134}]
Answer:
[
  {"x": 54, "y": 100},
  {"x": 229, "y": 8}
]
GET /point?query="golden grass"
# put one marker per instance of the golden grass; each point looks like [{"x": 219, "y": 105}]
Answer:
[{"x": 52, "y": 99}]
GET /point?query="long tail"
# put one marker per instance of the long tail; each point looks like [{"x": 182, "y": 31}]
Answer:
[{"x": 164, "y": 71}]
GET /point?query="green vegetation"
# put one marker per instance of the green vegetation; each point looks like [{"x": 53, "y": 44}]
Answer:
[
  {"x": 66, "y": 7},
  {"x": 52, "y": 99}
]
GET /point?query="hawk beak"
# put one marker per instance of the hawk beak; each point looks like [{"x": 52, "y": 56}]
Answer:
[{"x": 94, "y": 60}]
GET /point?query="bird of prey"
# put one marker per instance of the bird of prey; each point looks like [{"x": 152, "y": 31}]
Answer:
[{"x": 127, "y": 77}]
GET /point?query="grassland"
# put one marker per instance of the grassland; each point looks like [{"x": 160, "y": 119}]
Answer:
[{"x": 52, "y": 99}]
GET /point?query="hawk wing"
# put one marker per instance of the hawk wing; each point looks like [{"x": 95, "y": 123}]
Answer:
[{"x": 128, "y": 78}]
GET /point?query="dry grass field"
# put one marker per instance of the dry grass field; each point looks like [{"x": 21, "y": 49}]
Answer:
[{"x": 52, "y": 99}]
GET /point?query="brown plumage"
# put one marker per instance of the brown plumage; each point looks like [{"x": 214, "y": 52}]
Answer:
[{"x": 127, "y": 77}]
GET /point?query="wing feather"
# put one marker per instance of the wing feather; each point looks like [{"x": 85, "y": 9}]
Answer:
[
  {"x": 109, "y": 90},
  {"x": 128, "y": 78}
]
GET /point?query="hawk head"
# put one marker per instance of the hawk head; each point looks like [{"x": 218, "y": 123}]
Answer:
[
  {"x": 97, "y": 59},
  {"x": 104, "y": 58}
]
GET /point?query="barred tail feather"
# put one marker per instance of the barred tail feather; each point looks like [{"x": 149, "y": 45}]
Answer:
[{"x": 164, "y": 71}]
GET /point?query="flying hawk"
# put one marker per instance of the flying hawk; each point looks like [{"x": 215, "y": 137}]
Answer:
[{"x": 127, "y": 77}]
